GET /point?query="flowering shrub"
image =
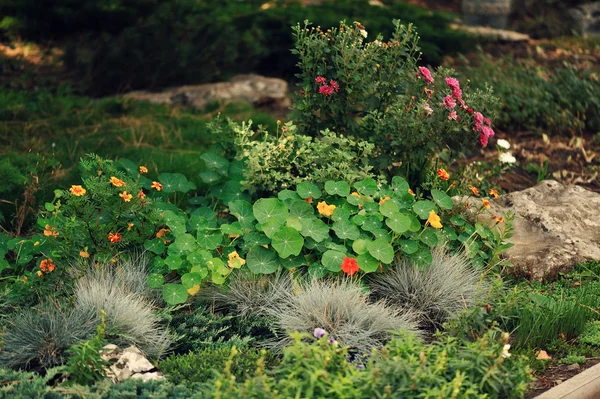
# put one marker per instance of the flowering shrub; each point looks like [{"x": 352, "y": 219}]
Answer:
[{"x": 374, "y": 90}]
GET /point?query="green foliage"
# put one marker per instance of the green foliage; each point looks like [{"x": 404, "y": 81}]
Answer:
[
  {"x": 85, "y": 364},
  {"x": 203, "y": 365},
  {"x": 572, "y": 359},
  {"x": 287, "y": 158},
  {"x": 553, "y": 100},
  {"x": 374, "y": 91},
  {"x": 543, "y": 18},
  {"x": 591, "y": 334}
]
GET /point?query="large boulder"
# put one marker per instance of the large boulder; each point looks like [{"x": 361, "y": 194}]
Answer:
[
  {"x": 555, "y": 227},
  {"x": 255, "y": 89},
  {"x": 586, "y": 18}
]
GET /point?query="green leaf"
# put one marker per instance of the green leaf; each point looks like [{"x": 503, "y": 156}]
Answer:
[
  {"x": 294, "y": 223},
  {"x": 398, "y": 222},
  {"x": 317, "y": 270},
  {"x": 198, "y": 257},
  {"x": 175, "y": 182},
  {"x": 173, "y": 262},
  {"x": 340, "y": 213},
  {"x": 408, "y": 246},
  {"x": 422, "y": 208},
  {"x": 207, "y": 214},
  {"x": 174, "y": 294},
  {"x": 188, "y": 280},
  {"x": 422, "y": 257},
  {"x": 231, "y": 191},
  {"x": 302, "y": 210},
  {"x": 340, "y": 188},
  {"x": 198, "y": 223},
  {"x": 215, "y": 162},
  {"x": 381, "y": 250},
  {"x": 270, "y": 227},
  {"x": 315, "y": 229},
  {"x": 128, "y": 166},
  {"x": 49, "y": 206},
  {"x": 367, "y": 263},
  {"x": 262, "y": 261},
  {"x": 332, "y": 260},
  {"x": 233, "y": 228},
  {"x": 389, "y": 208},
  {"x": 253, "y": 238},
  {"x": 346, "y": 230},
  {"x": 287, "y": 242},
  {"x": 265, "y": 208},
  {"x": 210, "y": 177},
  {"x": 442, "y": 199},
  {"x": 457, "y": 220},
  {"x": 366, "y": 187},
  {"x": 307, "y": 189},
  {"x": 155, "y": 280},
  {"x": 429, "y": 238},
  {"x": 371, "y": 223},
  {"x": 400, "y": 185},
  {"x": 186, "y": 243},
  {"x": 243, "y": 211},
  {"x": 201, "y": 270},
  {"x": 288, "y": 197},
  {"x": 360, "y": 246},
  {"x": 209, "y": 240},
  {"x": 156, "y": 246}
]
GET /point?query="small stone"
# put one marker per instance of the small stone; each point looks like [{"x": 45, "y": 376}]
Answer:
[
  {"x": 155, "y": 376},
  {"x": 543, "y": 355},
  {"x": 574, "y": 366}
]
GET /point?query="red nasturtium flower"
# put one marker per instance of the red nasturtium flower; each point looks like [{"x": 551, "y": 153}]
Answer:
[
  {"x": 443, "y": 174},
  {"x": 47, "y": 266},
  {"x": 156, "y": 185},
  {"x": 349, "y": 266},
  {"x": 114, "y": 237},
  {"x": 474, "y": 190}
]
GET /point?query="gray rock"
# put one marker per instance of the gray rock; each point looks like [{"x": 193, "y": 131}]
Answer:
[
  {"x": 488, "y": 33},
  {"x": 586, "y": 18},
  {"x": 255, "y": 89},
  {"x": 129, "y": 363},
  {"x": 574, "y": 366},
  {"x": 555, "y": 227}
]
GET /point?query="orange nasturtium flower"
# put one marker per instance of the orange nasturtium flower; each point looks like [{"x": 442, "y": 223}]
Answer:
[
  {"x": 486, "y": 203},
  {"x": 114, "y": 237},
  {"x": 324, "y": 209},
  {"x": 498, "y": 219},
  {"x": 141, "y": 194},
  {"x": 474, "y": 190},
  {"x": 39, "y": 273},
  {"x": 143, "y": 169},
  {"x": 308, "y": 200},
  {"x": 129, "y": 226},
  {"x": 84, "y": 253},
  {"x": 117, "y": 182},
  {"x": 349, "y": 266},
  {"x": 47, "y": 266},
  {"x": 156, "y": 185},
  {"x": 386, "y": 198},
  {"x": 235, "y": 260},
  {"x": 77, "y": 191},
  {"x": 494, "y": 193},
  {"x": 411, "y": 192},
  {"x": 50, "y": 231},
  {"x": 126, "y": 197},
  {"x": 443, "y": 174},
  {"x": 434, "y": 220}
]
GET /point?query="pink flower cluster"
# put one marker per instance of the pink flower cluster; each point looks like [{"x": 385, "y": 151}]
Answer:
[
  {"x": 425, "y": 74},
  {"x": 327, "y": 89},
  {"x": 482, "y": 125}
]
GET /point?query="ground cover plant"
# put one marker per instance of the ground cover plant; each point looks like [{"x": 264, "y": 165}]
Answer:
[{"x": 347, "y": 271}]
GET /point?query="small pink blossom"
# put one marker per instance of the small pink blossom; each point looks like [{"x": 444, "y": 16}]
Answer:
[
  {"x": 326, "y": 90},
  {"x": 425, "y": 74},
  {"x": 320, "y": 79},
  {"x": 457, "y": 92},
  {"x": 478, "y": 117},
  {"x": 483, "y": 140},
  {"x": 334, "y": 85},
  {"x": 449, "y": 102},
  {"x": 453, "y": 116},
  {"x": 427, "y": 108},
  {"x": 487, "y": 121},
  {"x": 487, "y": 131},
  {"x": 453, "y": 83}
]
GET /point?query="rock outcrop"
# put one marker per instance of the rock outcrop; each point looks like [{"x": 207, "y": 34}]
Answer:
[{"x": 128, "y": 363}]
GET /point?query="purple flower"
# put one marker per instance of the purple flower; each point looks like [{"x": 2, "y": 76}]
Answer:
[
  {"x": 360, "y": 366},
  {"x": 319, "y": 332}
]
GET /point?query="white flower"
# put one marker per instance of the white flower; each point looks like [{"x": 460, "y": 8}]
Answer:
[
  {"x": 506, "y": 157},
  {"x": 505, "y": 353},
  {"x": 503, "y": 144},
  {"x": 364, "y": 33}
]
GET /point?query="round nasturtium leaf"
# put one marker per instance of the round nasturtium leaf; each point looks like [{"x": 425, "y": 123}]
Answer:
[
  {"x": 381, "y": 250},
  {"x": 243, "y": 211},
  {"x": 191, "y": 279},
  {"x": 201, "y": 270},
  {"x": 400, "y": 185},
  {"x": 457, "y": 220},
  {"x": 302, "y": 210},
  {"x": 231, "y": 191},
  {"x": 367, "y": 263},
  {"x": 307, "y": 190},
  {"x": 340, "y": 188},
  {"x": 270, "y": 227},
  {"x": 332, "y": 260},
  {"x": 346, "y": 230},
  {"x": 209, "y": 240},
  {"x": 408, "y": 246},
  {"x": 287, "y": 242},
  {"x": 155, "y": 280},
  {"x": 428, "y": 237},
  {"x": 422, "y": 257},
  {"x": 262, "y": 261},
  {"x": 266, "y": 208},
  {"x": 156, "y": 246},
  {"x": 388, "y": 208},
  {"x": 442, "y": 199},
  {"x": 215, "y": 162},
  {"x": 186, "y": 243},
  {"x": 398, "y": 222},
  {"x": 422, "y": 208},
  {"x": 294, "y": 223},
  {"x": 174, "y": 294},
  {"x": 360, "y": 246},
  {"x": 288, "y": 197},
  {"x": 173, "y": 262},
  {"x": 315, "y": 229},
  {"x": 366, "y": 187},
  {"x": 173, "y": 182}
]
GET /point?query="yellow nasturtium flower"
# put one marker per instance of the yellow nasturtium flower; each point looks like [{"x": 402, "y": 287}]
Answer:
[
  {"x": 235, "y": 261},
  {"x": 434, "y": 220},
  {"x": 194, "y": 290},
  {"x": 324, "y": 209}
]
